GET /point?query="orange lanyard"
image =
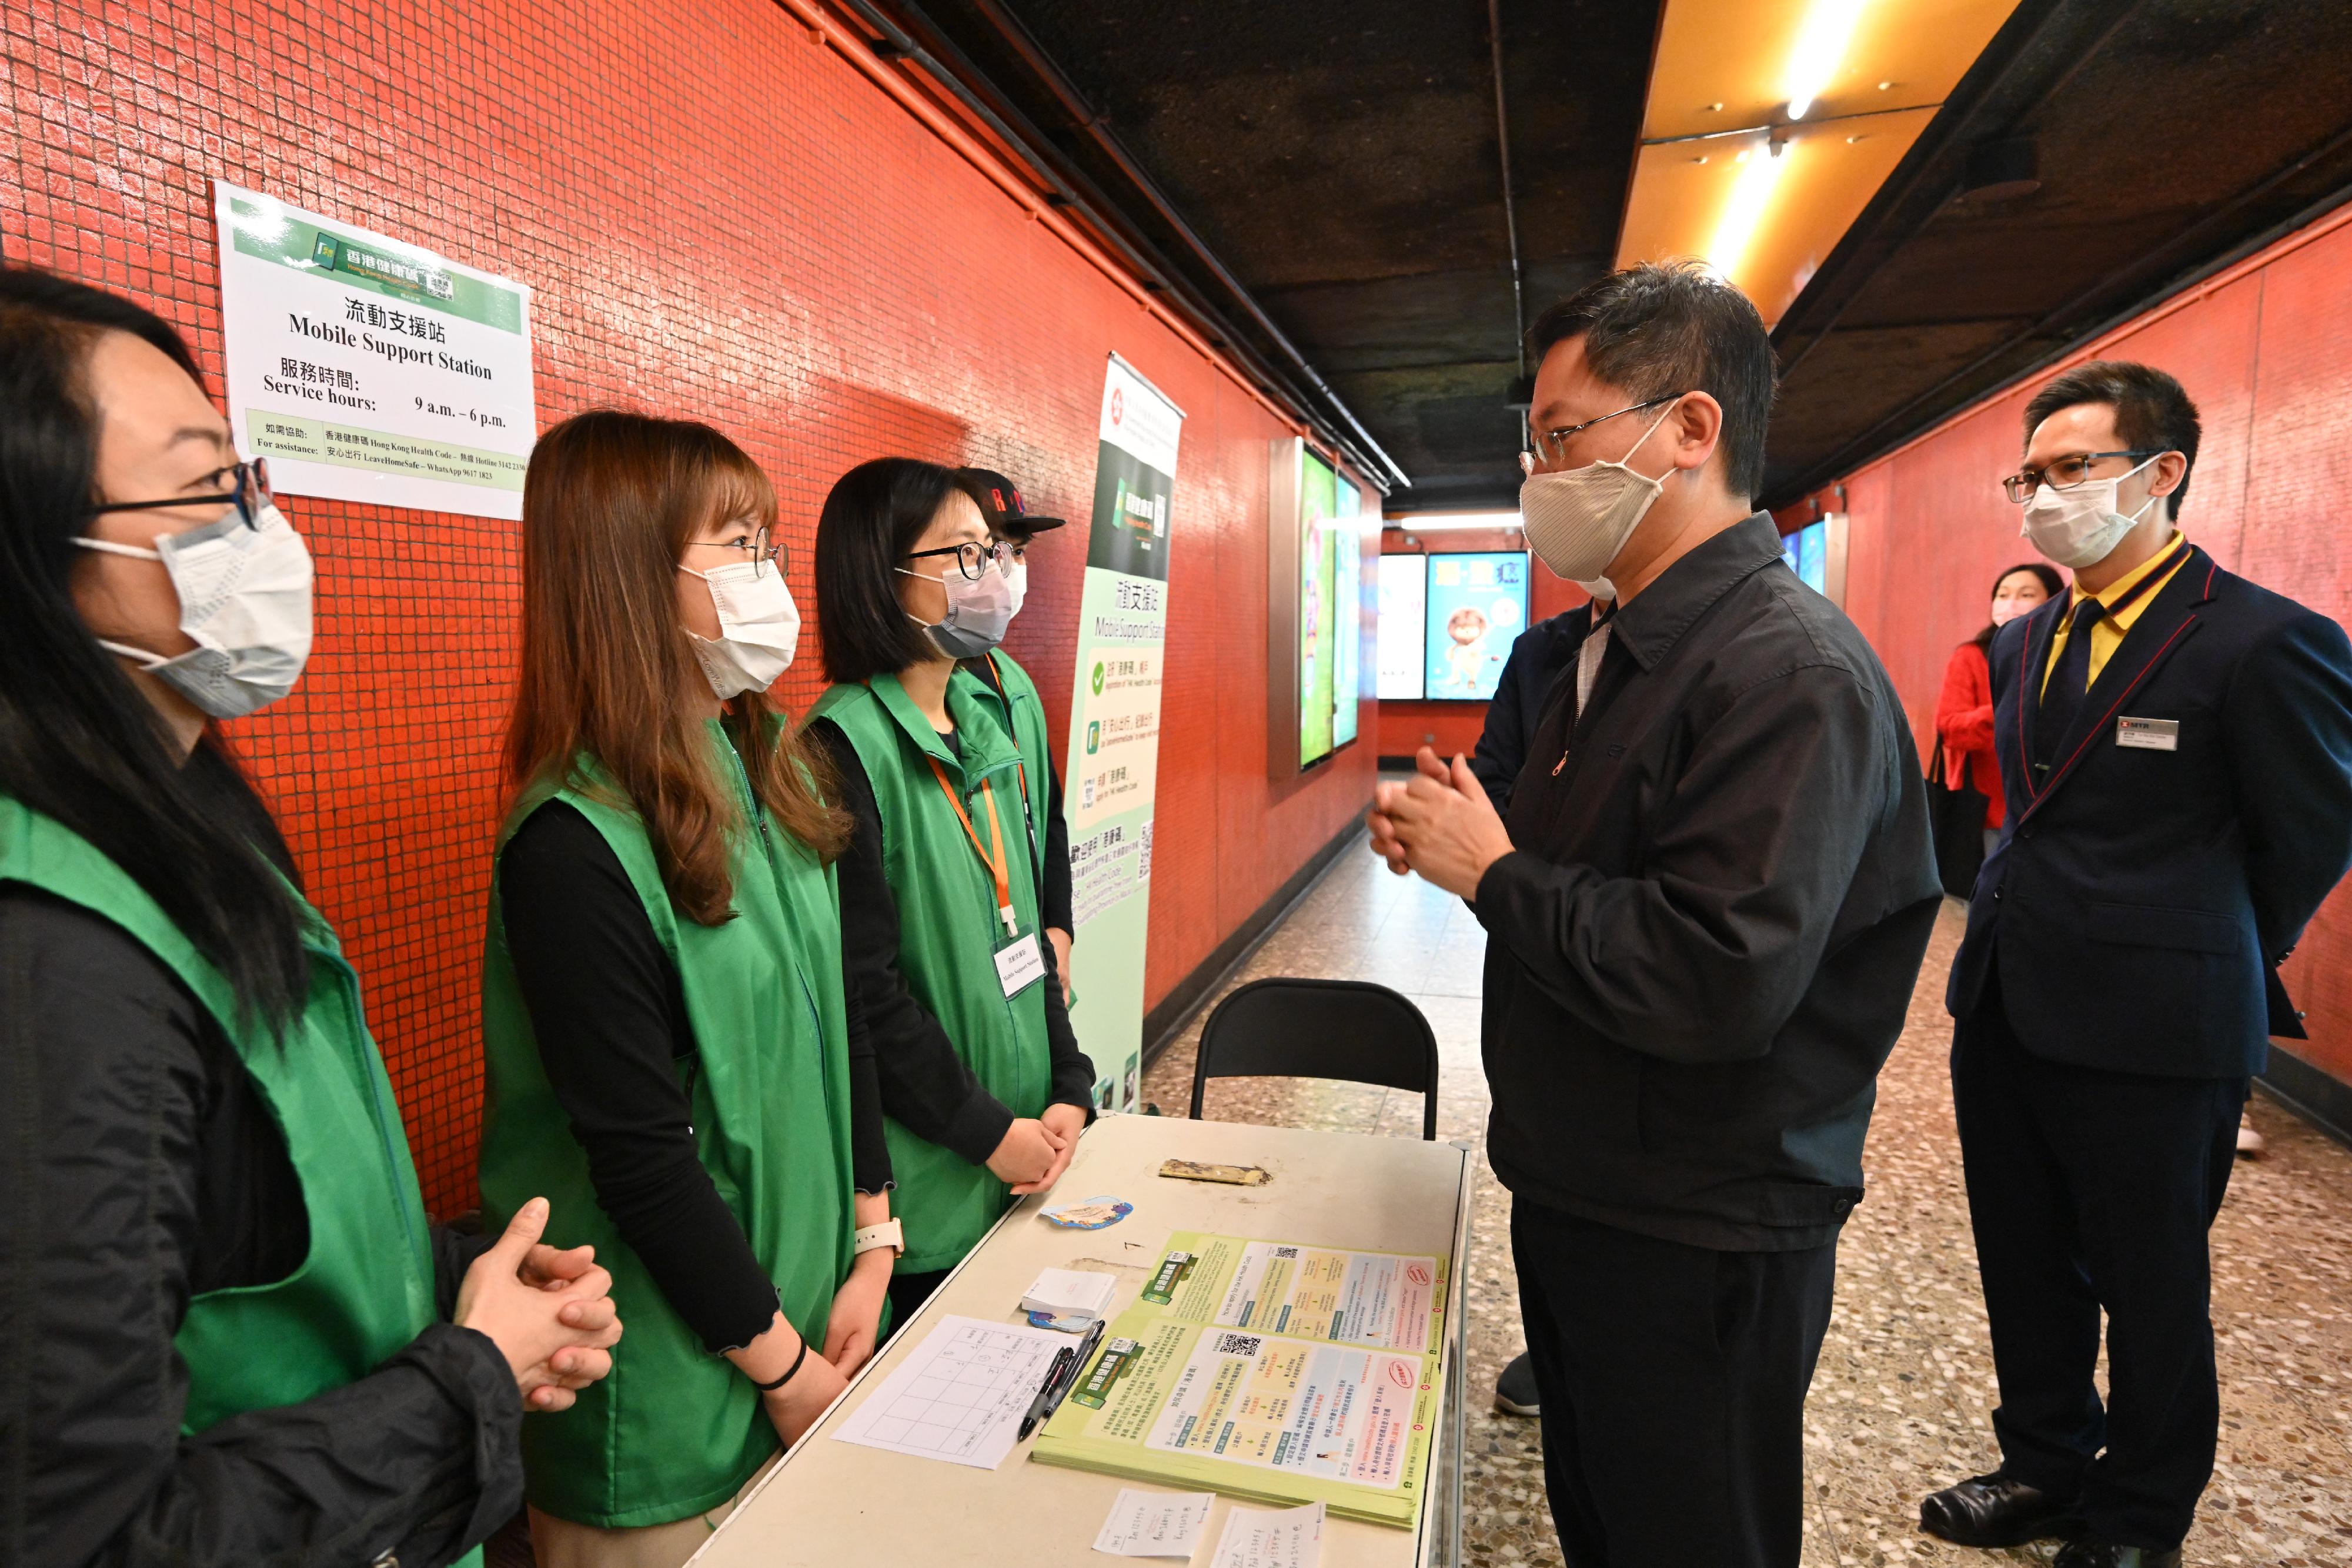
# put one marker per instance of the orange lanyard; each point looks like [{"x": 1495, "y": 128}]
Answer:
[{"x": 996, "y": 863}]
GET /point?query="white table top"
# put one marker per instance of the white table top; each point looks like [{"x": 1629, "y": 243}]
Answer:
[{"x": 838, "y": 1505}]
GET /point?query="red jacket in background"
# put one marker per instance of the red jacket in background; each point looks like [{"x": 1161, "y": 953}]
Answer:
[{"x": 1964, "y": 724}]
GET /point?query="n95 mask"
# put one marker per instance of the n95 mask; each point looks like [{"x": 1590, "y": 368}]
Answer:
[{"x": 244, "y": 602}]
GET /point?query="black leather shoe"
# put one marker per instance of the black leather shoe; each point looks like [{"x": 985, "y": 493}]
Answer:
[
  {"x": 2107, "y": 1554},
  {"x": 1998, "y": 1511}
]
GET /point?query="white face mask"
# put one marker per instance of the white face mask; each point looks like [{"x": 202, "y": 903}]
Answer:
[
  {"x": 1016, "y": 574},
  {"x": 244, "y": 602},
  {"x": 978, "y": 609},
  {"x": 2081, "y": 527},
  {"x": 1577, "y": 520},
  {"x": 758, "y": 628}
]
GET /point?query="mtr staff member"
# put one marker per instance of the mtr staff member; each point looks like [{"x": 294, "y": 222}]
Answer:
[
  {"x": 1705, "y": 917},
  {"x": 2175, "y": 745}
]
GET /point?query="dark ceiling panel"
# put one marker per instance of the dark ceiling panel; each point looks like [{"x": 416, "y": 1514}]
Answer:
[
  {"x": 2169, "y": 134},
  {"x": 1341, "y": 162}
]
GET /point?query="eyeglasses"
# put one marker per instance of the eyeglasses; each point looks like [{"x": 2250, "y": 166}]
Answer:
[
  {"x": 972, "y": 559},
  {"x": 1553, "y": 444},
  {"x": 760, "y": 548},
  {"x": 2064, "y": 473},
  {"x": 248, "y": 492}
]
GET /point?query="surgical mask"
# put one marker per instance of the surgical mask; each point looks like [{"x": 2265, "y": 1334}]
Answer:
[
  {"x": 244, "y": 602},
  {"x": 978, "y": 609},
  {"x": 2081, "y": 527},
  {"x": 1576, "y": 521},
  {"x": 1016, "y": 573},
  {"x": 758, "y": 628}
]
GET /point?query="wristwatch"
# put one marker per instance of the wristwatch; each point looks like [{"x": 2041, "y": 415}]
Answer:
[{"x": 889, "y": 1233}]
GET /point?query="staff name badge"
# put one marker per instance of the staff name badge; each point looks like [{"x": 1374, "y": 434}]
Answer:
[
  {"x": 1020, "y": 965},
  {"x": 2148, "y": 733}
]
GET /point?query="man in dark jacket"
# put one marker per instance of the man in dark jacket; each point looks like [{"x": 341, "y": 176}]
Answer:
[
  {"x": 2177, "y": 747},
  {"x": 1704, "y": 918}
]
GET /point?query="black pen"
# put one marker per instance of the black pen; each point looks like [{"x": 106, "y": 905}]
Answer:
[
  {"x": 1064, "y": 1360},
  {"x": 1077, "y": 1363}
]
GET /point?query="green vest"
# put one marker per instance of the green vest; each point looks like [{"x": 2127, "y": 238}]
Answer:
[
  {"x": 676, "y": 1430},
  {"x": 948, "y": 932},
  {"x": 366, "y": 1289},
  {"x": 1022, "y": 714}
]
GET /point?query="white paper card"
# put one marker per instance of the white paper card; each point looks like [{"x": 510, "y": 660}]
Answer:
[
  {"x": 1020, "y": 965},
  {"x": 961, "y": 1395},
  {"x": 1065, "y": 1293},
  {"x": 1155, "y": 1523},
  {"x": 1264, "y": 1538}
]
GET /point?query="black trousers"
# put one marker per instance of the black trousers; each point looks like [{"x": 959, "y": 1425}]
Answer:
[
  {"x": 2090, "y": 1189},
  {"x": 1673, "y": 1380}
]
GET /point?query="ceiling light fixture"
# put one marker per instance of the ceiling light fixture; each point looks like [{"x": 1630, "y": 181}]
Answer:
[
  {"x": 1820, "y": 50},
  {"x": 1750, "y": 194}
]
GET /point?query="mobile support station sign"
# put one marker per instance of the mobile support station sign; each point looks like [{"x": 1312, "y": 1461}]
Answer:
[
  {"x": 1114, "y": 744},
  {"x": 367, "y": 369}
]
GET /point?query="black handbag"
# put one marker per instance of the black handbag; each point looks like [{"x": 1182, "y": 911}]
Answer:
[{"x": 1955, "y": 816}]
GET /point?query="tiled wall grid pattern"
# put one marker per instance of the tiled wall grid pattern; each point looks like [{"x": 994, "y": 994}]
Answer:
[
  {"x": 722, "y": 219},
  {"x": 2262, "y": 350}
]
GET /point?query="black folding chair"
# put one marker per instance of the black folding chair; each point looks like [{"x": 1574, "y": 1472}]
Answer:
[{"x": 1346, "y": 1030}]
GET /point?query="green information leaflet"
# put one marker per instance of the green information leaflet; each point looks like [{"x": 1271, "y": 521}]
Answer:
[
  {"x": 1270, "y": 1370},
  {"x": 1113, "y": 743}
]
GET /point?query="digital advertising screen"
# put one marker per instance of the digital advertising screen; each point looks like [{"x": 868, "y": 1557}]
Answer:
[
  {"x": 1807, "y": 553},
  {"x": 1348, "y": 577},
  {"x": 1477, "y": 606},
  {"x": 1320, "y": 634},
  {"x": 1400, "y": 627}
]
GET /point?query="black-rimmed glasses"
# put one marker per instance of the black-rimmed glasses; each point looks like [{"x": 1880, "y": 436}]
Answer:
[
  {"x": 971, "y": 558},
  {"x": 248, "y": 492},
  {"x": 2064, "y": 473}
]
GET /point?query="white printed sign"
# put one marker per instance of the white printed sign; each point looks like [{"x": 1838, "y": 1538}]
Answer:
[{"x": 367, "y": 369}]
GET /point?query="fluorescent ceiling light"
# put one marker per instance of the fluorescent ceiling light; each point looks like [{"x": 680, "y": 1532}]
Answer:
[
  {"x": 1447, "y": 522},
  {"x": 1750, "y": 194},
  {"x": 1820, "y": 50}
]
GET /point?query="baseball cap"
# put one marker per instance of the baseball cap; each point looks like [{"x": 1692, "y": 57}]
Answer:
[{"x": 1000, "y": 503}]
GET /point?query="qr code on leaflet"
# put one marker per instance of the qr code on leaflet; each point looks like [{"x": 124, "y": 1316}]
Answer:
[
  {"x": 1285, "y": 1251},
  {"x": 1238, "y": 1344},
  {"x": 1143, "y": 856}
]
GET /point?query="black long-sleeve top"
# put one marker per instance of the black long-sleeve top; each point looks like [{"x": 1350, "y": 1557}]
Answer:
[
  {"x": 925, "y": 1084},
  {"x": 1701, "y": 945},
  {"x": 142, "y": 1167},
  {"x": 609, "y": 1013}
]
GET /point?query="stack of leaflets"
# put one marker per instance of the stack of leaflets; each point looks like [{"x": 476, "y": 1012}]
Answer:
[{"x": 1070, "y": 1299}]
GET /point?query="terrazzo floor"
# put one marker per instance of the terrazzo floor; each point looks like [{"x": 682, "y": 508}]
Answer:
[{"x": 1902, "y": 1402}]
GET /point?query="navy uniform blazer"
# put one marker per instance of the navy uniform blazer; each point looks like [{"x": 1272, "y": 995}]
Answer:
[{"x": 2140, "y": 901}]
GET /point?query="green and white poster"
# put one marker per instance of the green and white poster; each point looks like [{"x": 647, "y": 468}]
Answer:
[
  {"x": 1114, "y": 757},
  {"x": 368, "y": 369}
]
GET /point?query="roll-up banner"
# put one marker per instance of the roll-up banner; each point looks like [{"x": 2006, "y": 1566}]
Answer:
[{"x": 1115, "y": 725}]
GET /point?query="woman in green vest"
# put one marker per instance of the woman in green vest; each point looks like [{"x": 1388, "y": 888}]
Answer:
[
  {"x": 671, "y": 1054},
  {"x": 986, "y": 1088},
  {"x": 234, "y": 1337}
]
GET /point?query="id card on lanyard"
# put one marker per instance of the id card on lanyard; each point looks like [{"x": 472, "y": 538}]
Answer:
[{"x": 1020, "y": 963}]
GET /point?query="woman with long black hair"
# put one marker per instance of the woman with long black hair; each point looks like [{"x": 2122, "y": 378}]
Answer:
[{"x": 234, "y": 1338}]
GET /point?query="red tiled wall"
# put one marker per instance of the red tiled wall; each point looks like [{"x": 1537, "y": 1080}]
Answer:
[
  {"x": 2262, "y": 350},
  {"x": 722, "y": 218}
]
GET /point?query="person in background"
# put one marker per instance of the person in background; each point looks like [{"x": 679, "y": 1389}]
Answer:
[
  {"x": 984, "y": 1083},
  {"x": 1964, "y": 708},
  {"x": 663, "y": 1007},
  {"x": 2176, "y": 748},
  {"x": 1704, "y": 918},
  {"x": 233, "y": 1335},
  {"x": 1011, "y": 525}
]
